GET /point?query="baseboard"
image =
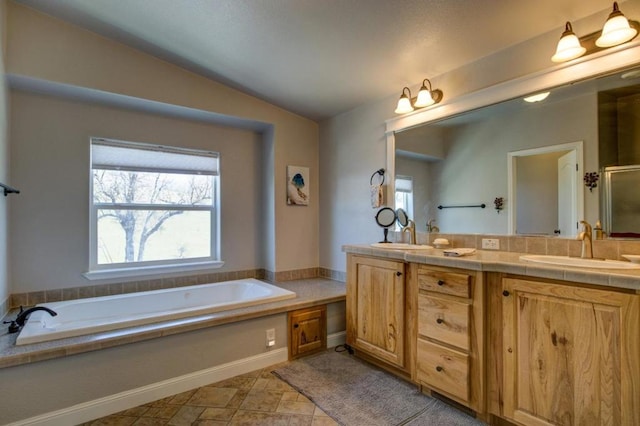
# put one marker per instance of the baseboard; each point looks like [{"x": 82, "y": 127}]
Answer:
[
  {"x": 114, "y": 403},
  {"x": 335, "y": 339}
]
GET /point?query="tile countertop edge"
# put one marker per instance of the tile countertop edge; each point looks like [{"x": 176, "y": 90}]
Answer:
[
  {"x": 12, "y": 355},
  {"x": 510, "y": 263}
]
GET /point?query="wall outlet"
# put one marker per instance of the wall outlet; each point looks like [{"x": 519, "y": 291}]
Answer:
[
  {"x": 271, "y": 337},
  {"x": 491, "y": 243}
]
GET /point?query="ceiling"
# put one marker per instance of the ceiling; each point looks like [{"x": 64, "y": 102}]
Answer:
[{"x": 319, "y": 58}]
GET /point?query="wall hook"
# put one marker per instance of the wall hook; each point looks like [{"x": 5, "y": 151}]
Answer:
[{"x": 9, "y": 190}]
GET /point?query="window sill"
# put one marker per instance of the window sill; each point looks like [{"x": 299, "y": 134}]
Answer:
[{"x": 148, "y": 271}]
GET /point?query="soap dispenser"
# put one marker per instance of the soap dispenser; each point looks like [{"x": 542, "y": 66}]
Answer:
[{"x": 597, "y": 230}]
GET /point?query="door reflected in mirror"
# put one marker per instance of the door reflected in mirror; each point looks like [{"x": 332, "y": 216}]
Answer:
[{"x": 544, "y": 186}]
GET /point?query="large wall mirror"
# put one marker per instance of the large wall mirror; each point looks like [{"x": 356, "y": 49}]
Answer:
[{"x": 533, "y": 156}]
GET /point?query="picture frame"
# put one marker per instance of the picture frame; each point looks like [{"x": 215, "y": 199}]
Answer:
[{"x": 297, "y": 186}]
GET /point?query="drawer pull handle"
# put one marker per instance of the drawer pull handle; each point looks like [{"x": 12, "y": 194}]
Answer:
[
  {"x": 439, "y": 369},
  {"x": 439, "y": 320},
  {"x": 398, "y": 273},
  {"x": 505, "y": 293},
  {"x": 441, "y": 283}
]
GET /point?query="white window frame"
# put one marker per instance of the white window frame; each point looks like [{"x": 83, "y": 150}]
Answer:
[
  {"x": 136, "y": 269},
  {"x": 404, "y": 187}
]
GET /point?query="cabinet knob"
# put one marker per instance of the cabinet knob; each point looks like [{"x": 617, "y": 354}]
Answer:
[
  {"x": 439, "y": 369},
  {"x": 295, "y": 325},
  {"x": 439, "y": 320},
  {"x": 505, "y": 293},
  {"x": 398, "y": 273},
  {"x": 440, "y": 283}
]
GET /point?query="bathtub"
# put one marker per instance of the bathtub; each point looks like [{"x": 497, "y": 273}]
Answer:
[{"x": 92, "y": 315}]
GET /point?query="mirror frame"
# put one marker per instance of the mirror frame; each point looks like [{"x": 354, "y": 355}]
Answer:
[{"x": 593, "y": 65}]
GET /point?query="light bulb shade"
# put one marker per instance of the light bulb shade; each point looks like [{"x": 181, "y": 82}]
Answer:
[
  {"x": 569, "y": 46},
  {"x": 424, "y": 98},
  {"x": 616, "y": 30},
  {"x": 538, "y": 97},
  {"x": 404, "y": 103}
]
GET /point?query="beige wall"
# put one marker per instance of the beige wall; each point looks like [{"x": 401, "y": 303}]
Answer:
[
  {"x": 4, "y": 166},
  {"x": 352, "y": 145},
  {"x": 50, "y": 158},
  {"x": 48, "y": 49}
]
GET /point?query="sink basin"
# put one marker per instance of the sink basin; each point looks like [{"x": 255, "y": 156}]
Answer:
[
  {"x": 401, "y": 246},
  {"x": 579, "y": 262}
]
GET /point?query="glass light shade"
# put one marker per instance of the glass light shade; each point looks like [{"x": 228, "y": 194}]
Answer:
[
  {"x": 424, "y": 98},
  {"x": 404, "y": 105},
  {"x": 569, "y": 47},
  {"x": 616, "y": 31},
  {"x": 537, "y": 97}
]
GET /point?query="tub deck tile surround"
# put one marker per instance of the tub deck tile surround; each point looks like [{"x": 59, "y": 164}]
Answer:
[{"x": 309, "y": 292}]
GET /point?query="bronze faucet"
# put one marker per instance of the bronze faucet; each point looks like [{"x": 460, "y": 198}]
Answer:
[
  {"x": 411, "y": 228},
  {"x": 586, "y": 237}
]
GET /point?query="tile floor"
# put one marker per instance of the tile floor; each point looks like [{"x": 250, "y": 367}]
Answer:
[{"x": 256, "y": 398}]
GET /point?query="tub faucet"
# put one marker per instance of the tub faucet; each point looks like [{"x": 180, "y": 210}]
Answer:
[
  {"x": 411, "y": 228},
  {"x": 586, "y": 237},
  {"x": 22, "y": 317}
]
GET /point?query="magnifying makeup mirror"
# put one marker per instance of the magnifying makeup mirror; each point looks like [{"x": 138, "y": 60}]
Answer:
[
  {"x": 385, "y": 218},
  {"x": 403, "y": 218}
]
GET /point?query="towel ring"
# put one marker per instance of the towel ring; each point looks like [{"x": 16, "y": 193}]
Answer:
[{"x": 379, "y": 172}]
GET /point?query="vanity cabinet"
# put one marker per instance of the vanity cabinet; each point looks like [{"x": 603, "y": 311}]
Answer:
[
  {"x": 570, "y": 354},
  {"x": 376, "y": 310},
  {"x": 449, "y": 351}
]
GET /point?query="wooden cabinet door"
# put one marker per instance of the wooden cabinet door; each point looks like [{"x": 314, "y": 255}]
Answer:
[
  {"x": 375, "y": 308},
  {"x": 571, "y": 355},
  {"x": 307, "y": 331}
]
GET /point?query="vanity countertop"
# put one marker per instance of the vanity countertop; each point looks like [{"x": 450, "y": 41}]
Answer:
[{"x": 510, "y": 263}]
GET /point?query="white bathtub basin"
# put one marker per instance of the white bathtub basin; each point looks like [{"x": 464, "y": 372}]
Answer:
[
  {"x": 579, "y": 262},
  {"x": 401, "y": 246},
  {"x": 97, "y": 314}
]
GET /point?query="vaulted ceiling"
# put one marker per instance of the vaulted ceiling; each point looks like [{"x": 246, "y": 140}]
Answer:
[{"x": 319, "y": 58}]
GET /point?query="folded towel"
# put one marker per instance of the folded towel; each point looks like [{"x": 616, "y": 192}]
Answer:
[
  {"x": 457, "y": 252},
  {"x": 377, "y": 196}
]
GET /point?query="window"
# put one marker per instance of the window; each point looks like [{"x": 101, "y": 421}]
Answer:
[
  {"x": 404, "y": 194},
  {"x": 152, "y": 208}
]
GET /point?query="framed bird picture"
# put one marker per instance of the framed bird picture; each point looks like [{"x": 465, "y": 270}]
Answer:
[{"x": 297, "y": 185}]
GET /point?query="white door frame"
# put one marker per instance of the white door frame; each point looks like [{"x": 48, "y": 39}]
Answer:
[{"x": 512, "y": 175}]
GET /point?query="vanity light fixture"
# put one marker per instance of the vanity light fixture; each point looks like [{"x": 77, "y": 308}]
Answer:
[
  {"x": 538, "y": 97},
  {"x": 426, "y": 97},
  {"x": 569, "y": 46},
  {"x": 616, "y": 30}
]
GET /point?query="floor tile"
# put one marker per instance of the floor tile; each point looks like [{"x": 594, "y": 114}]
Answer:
[
  {"x": 255, "y": 418},
  {"x": 186, "y": 416},
  {"x": 295, "y": 407},
  {"x": 212, "y": 397},
  {"x": 255, "y": 398}
]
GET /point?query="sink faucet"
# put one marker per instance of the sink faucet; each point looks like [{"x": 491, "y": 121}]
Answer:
[
  {"x": 22, "y": 317},
  {"x": 411, "y": 228},
  {"x": 586, "y": 237},
  {"x": 431, "y": 227}
]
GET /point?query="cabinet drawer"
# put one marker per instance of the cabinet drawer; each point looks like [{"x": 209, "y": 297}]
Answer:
[
  {"x": 451, "y": 283},
  {"x": 445, "y": 320},
  {"x": 443, "y": 369}
]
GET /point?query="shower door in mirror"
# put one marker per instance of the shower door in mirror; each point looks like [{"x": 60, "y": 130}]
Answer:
[{"x": 621, "y": 191}]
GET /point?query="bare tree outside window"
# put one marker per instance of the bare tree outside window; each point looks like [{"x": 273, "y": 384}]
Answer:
[{"x": 143, "y": 203}]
